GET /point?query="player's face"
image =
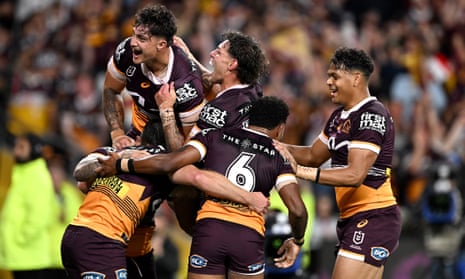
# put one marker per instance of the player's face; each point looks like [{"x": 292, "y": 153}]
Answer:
[
  {"x": 340, "y": 83},
  {"x": 144, "y": 45},
  {"x": 221, "y": 61}
]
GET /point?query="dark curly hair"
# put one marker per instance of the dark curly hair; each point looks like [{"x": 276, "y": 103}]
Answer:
[
  {"x": 159, "y": 20},
  {"x": 250, "y": 58},
  {"x": 348, "y": 59},
  {"x": 268, "y": 112}
]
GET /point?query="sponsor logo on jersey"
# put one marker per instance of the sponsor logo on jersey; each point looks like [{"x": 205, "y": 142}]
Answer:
[
  {"x": 214, "y": 116},
  {"x": 198, "y": 261},
  {"x": 358, "y": 237},
  {"x": 256, "y": 267},
  {"x": 145, "y": 84},
  {"x": 121, "y": 274},
  {"x": 112, "y": 182},
  {"x": 247, "y": 144},
  {"x": 186, "y": 93},
  {"x": 245, "y": 108},
  {"x": 373, "y": 121},
  {"x": 379, "y": 253},
  {"x": 362, "y": 223},
  {"x": 92, "y": 275}
]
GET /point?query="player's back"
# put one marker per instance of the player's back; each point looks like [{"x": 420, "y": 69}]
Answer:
[
  {"x": 249, "y": 160},
  {"x": 115, "y": 205}
]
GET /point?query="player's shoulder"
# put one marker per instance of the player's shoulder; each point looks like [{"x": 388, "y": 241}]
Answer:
[
  {"x": 183, "y": 66},
  {"x": 123, "y": 52},
  {"x": 373, "y": 108}
]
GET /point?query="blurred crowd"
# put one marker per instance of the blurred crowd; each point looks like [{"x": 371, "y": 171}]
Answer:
[{"x": 53, "y": 56}]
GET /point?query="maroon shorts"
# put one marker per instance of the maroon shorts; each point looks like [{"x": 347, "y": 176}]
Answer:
[
  {"x": 88, "y": 254},
  {"x": 219, "y": 246},
  {"x": 370, "y": 236}
]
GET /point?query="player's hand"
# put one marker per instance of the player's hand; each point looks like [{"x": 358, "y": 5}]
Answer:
[
  {"x": 259, "y": 203},
  {"x": 179, "y": 42},
  {"x": 166, "y": 96},
  {"x": 107, "y": 165},
  {"x": 289, "y": 251},
  {"x": 285, "y": 153}
]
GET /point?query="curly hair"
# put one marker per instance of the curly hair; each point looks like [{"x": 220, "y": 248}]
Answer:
[
  {"x": 268, "y": 112},
  {"x": 250, "y": 58},
  {"x": 159, "y": 20},
  {"x": 348, "y": 59}
]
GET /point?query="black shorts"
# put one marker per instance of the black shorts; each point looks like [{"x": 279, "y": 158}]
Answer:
[
  {"x": 219, "y": 246},
  {"x": 88, "y": 254},
  {"x": 370, "y": 236}
]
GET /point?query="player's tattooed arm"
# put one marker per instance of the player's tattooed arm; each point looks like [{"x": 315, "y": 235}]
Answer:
[
  {"x": 114, "y": 114},
  {"x": 113, "y": 109},
  {"x": 165, "y": 99}
]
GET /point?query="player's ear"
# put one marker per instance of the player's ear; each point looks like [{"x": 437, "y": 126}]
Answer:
[
  {"x": 357, "y": 78},
  {"x": 162, "y": 44},
  {"x": 233, "y": 65}
]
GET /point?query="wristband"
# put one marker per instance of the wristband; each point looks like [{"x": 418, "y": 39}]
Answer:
[
  {"x": 124, "y": 165},
  {"x": 317, "y": 177},
  {"x": 299, "y": 242},
  {"x": 131, "y": 166},
  {"x": 118, "y": 166}
]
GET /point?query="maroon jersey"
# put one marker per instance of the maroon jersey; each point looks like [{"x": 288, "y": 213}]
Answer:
[
  {"x": 249, "y": 160},
  {"x": 230, "y": 108},
  {"x": 368, "y": 125},
  {"x": 142, "y": 84}
]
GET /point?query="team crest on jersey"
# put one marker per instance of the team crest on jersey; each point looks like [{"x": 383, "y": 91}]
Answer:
[
  {"x": 373, "y": 121},
  {"x": 379, "y": 253},
  {"x": 345, "y": 126},
  {"x": 186, "y": 93},
  {"x": 197, "y": 261},
  {"x": 130, "y": 71},
  {"x": 358, "y": 237}
]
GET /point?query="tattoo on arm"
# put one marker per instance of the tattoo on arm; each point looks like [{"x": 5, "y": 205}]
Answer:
[
  {"x": 113, "y": 109},
  {"x": 174, "y": 138}
]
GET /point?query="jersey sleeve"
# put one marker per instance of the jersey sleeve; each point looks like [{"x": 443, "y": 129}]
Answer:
[
  {"x": 371, "y": 127},
  {"x": 119, "y": 61}
]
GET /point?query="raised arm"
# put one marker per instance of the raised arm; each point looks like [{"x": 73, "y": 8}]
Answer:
[
  {"x": 114, "y": 111},
  {"x": 217, "y": 185},
  {"x": 165, "y": 99}
]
